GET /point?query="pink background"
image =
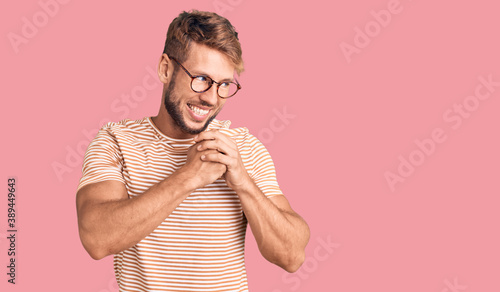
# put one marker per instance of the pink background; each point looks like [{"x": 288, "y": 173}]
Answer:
[{"x": 353, "y": 117}]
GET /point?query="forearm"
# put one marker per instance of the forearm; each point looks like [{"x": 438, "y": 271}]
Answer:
[
  {"x": 281, "y": 235},
  {"x": 110, "y": 227}
]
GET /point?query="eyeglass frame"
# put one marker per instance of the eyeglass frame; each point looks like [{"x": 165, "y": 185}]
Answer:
[{"x": 238, "y": 86}]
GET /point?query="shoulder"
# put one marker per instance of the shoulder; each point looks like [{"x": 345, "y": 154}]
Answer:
[
  {"x": 125, "y": 128},
  {"x": 125, "y": 125},
  {"x": 124, "y": 132}
]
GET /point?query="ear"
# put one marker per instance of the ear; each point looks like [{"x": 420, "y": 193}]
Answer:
[{"x": 165, "y": 68}]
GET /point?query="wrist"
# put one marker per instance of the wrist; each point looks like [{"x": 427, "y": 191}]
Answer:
[
  {"x": 182, "y": 182},
  {"x": 246, "y": 184}
]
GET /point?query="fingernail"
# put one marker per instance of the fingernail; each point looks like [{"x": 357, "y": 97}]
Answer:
[{"x": 203, "y": 157}]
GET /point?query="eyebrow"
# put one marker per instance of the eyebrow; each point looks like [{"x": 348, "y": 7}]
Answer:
[{"x": 198, "y": 73}]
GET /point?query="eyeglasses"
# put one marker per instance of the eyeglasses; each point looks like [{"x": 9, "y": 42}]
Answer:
[{"x": 201, "y": 83}]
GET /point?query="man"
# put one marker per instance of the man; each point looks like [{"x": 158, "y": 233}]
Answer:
[{"x": 170, "y": 196}]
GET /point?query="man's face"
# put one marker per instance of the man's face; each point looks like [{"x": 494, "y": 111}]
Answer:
[{"x": 190, "y": 111}]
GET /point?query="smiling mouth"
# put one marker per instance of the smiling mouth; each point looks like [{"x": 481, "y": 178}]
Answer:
[{"x": 198, "y": 111}]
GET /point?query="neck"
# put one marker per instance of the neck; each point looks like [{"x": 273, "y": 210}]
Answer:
[{"x": 164, "y": 122}]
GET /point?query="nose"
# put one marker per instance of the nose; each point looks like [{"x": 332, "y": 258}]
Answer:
[{"x": 210, "y": 96}]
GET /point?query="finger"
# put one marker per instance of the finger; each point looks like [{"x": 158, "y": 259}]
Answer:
[
  {"x": 209, "y": 144},
  {"x": 228, "y": 140},
  {"x": 218, "y": 145},
  {"x": 206, "y": 135},
  {"x": 217, "y": 157},
  {"x": 216, "y": 135}
]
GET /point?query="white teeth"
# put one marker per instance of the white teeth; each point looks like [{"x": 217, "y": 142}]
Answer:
[{"x": 197, "y": 110}]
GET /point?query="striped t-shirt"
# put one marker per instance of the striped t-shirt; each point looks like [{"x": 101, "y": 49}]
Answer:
[{"x": 200, "y": 246}]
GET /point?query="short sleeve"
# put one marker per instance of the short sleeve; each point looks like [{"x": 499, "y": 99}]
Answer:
[
  {"x": 102, "y": 160},
  {"x": 263, "y": 171}
]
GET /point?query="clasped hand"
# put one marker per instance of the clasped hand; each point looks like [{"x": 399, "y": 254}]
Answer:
[{"x": 214, "y": 155}]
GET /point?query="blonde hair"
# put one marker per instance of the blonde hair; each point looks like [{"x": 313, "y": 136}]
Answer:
[{"x": 206, "y": 28}]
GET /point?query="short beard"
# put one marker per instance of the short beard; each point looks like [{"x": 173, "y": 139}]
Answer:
[{"x": 173, "y": 109}]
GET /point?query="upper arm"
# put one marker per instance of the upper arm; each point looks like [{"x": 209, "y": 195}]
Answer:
[
  {"x": 90, "y": 214},
  {"x": 263, "y": 171},
  {"x": 100, "y": 192},
  {"x": 103, "y": 160},
  {"x": 102, "y": 178}
]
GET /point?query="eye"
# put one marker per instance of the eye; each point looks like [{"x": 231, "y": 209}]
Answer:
[
  {"x": 225, "y": 84},
  {"x": 201, "y": 78}
]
